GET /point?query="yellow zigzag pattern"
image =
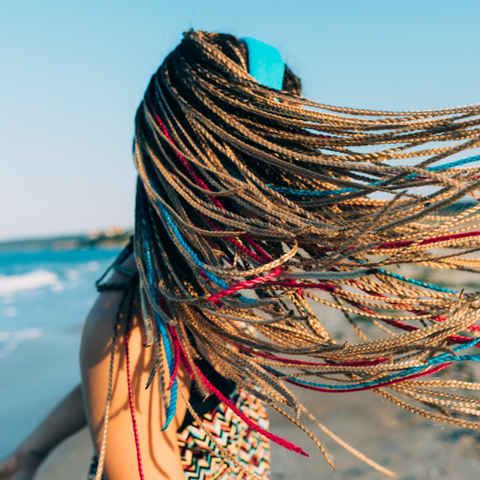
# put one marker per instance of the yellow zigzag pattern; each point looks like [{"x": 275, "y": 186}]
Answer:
[{"x": 200, "y": 459}]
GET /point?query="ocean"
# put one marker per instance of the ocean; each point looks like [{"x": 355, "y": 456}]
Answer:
[{"x": 44, "y": 299}]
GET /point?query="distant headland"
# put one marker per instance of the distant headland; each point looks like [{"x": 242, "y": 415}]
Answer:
[{"x": 109, "y": 237}]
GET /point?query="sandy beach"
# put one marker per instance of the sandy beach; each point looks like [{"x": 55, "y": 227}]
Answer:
[{"x": 412, "y": 447}]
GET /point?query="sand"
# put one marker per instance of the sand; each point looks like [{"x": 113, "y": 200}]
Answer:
[{"x": 414, "y": 448}]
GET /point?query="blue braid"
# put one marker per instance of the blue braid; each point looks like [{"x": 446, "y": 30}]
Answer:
[
  {"x": 195, "y": 258},
  {"x": 454, "y": 164},
  {"x": 172, "y": 406},
  {"x": 443, "y": 358},
  {"x": 321, "y": 193},
  {"x": 416, "y": 282},
  {"x": 469, "y": 344},
  {"x": 408, "y": 280},
  {"x": 315, "y": 193},
  {"x": 168, "y": 351},
  {"x": 192, "y": 254}
]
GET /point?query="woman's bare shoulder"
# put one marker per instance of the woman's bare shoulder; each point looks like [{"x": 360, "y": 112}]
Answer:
[
  {"x": 100, "y": 321},
  {"x": 102, "y": 372}
]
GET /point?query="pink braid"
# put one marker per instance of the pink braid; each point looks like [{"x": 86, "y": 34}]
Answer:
[
  {"x": 430, "y": 371},
  {"x": 132, "y": 406},
  {"x": 188, "y": 367},
  {"x": 244, "y": 285}
]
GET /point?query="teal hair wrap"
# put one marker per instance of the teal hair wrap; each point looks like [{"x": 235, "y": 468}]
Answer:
[{"x": 265, "y": 63}]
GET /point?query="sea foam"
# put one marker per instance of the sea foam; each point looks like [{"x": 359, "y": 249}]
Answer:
[
  {"x": 14, "y": 339},
  {"x": 10, "y": 284}
]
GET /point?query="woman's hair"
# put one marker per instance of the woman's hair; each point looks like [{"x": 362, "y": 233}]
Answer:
[
  {"x": 236, "y": 50},
  {"x": 255, "y": 211}
]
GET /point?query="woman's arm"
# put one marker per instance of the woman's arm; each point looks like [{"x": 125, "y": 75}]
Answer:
[
  {"x": 159, "y": 450},
  {"x": 64, "y": 420}
]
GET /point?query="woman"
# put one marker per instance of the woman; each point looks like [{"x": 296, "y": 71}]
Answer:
[{"x": 245, "y": 216}]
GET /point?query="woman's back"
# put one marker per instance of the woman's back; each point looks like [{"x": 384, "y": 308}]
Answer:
[
  {"x": 182, "y": 450},
  {"x": 160, "y": 450}
]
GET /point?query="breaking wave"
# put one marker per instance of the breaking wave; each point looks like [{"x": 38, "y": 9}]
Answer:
[{"x": 10, "y": 284}]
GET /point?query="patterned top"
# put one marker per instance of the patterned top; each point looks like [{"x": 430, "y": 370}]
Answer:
[{"x": 202, "y": 461}]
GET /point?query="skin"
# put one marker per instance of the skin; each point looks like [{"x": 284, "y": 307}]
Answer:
[
  {"x": 86, "y": 403},
  {"x": 66, "y": 418}
]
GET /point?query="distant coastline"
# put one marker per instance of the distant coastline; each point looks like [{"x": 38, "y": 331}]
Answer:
[
  {"x": 118, "y": 236},
  {"x": 110, "y": 237}
]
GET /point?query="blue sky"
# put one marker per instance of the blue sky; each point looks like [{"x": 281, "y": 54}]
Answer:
[{"x": 73, "y": 74}]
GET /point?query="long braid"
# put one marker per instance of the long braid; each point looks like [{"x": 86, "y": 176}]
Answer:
[{"x": 254, "y": 203}]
